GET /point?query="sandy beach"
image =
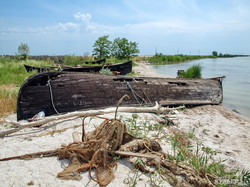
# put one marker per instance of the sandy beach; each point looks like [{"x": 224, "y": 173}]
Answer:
[{"x": 216, "y": 127}]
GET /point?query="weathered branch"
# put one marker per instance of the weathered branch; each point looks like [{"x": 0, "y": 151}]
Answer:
[
  {"x": 155, "y": 109},
  {"x": 54, "y": 152},
  {"x": 33, "y": 155}
]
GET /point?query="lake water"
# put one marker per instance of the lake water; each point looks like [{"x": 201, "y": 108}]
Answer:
[{"x": 236, "y": 85}]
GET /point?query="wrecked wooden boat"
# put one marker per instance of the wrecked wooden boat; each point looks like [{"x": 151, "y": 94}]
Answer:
[
  {"x": 30, "y": 68},
  {"x": 122, "y": 68},
  {"x": 61, "y": 92}
]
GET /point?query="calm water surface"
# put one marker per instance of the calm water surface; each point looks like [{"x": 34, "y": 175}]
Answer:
[{"x": 236, "y": 85}]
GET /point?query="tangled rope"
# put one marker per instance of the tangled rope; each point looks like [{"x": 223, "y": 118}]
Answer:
[
  {"x": 51, "y": 96},
  {"x": 135, "y": 94}
]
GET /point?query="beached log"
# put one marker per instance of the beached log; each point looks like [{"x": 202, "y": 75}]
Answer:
[{"x": 157, "y": 109}]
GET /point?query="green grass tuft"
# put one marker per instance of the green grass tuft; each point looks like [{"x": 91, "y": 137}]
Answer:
[{"x": 193, "y": 72}]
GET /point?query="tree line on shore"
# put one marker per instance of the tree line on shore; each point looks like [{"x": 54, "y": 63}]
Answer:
[
  {"x": 160, "y": 58},
  {"x": 115, "y": 51}
]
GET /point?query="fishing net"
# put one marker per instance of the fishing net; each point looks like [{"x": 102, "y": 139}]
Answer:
[{"x": 95, "y": 152}]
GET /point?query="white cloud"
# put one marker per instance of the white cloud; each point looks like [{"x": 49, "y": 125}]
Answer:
[
  {"x": 69, "y": 26},
  {"x": 82, "y": 16}
]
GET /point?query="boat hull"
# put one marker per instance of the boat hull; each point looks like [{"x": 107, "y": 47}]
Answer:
[
  {"x": 122, "y": 68},
  {"x": 71, "y": 91}
]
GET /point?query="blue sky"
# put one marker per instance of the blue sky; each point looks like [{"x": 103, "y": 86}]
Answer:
[{"x": 67, "y": 27}]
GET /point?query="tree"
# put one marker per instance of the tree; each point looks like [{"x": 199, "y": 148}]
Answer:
[
  {"x": 122, "y": 48},
  {"x": 23, "y": 51},
  {"x": 133, "y": 49},
  {"x": 215, "y": 53},
  {"x": 102, "y": 47}
]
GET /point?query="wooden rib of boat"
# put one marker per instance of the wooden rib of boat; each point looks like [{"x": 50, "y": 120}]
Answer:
[
  {"x": 30, "y": 68},
  {"x": 61, "y": 92},
  {"x": 123, "y": 68}
]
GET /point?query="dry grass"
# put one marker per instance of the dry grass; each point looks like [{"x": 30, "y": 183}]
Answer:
[
  {"x": 8, "y": 99},
  {"x": 7, "y": 106}
]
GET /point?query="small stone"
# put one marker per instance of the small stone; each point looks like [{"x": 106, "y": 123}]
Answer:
[{"x": 216, "y": 136}]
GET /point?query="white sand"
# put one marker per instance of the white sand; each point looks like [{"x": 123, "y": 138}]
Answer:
[
  {"x": 214, "y": 126},
  {"x": 143, "y": 70}
]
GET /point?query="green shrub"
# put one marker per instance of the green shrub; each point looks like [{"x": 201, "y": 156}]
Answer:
[{"x": 192, "y": 72}]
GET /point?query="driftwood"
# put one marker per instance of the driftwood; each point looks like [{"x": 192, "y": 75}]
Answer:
[
  {"x": 155, "y": 109},
  {"x": 29, "y": 156}
]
